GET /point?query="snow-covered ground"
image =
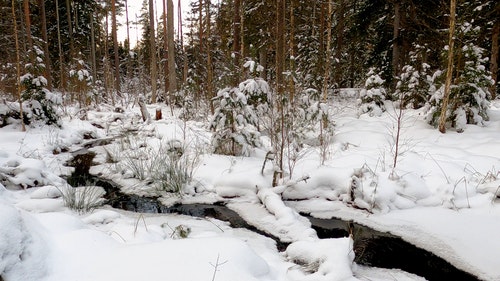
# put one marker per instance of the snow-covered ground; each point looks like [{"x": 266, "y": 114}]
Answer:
[{"x": 441, "y": 197}]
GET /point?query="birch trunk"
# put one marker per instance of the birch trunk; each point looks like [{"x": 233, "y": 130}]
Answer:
[{"x": 449, "y": 71}]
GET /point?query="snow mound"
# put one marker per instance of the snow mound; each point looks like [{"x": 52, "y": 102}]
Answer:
[
  {"x": 23, "y": 251},
  {"x": 326, "y": 259}
]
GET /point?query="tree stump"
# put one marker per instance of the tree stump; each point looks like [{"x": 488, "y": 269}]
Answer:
[{"x": 158, "y": 114}]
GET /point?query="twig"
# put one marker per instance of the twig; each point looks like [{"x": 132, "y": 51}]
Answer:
[
  {"x": 214, "y": 224},
  {"x": 216, "y": 266},
  {"x": 118, "y": 235},
  {"x": 445, "y": 176},
  {"x": 495, "y": 195},
  {"x": 137, "y": 223}
]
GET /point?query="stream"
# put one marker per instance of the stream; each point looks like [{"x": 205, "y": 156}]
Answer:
[{"x": 371, "y": 247}]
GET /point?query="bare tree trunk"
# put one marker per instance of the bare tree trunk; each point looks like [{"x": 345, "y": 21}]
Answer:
[
  {"x": 321, "y": 61},
  {"x": 449, "y": 71},
  {"x": 326, "y": 75},
  {"x": 106, "y": 61},
  {"x": 181, "y": 38},
  {"x": 172, "y": 78},
  {"x": 129, "y": 47},
  {"x": 115, "y": 47},
  {"x": 236, "y": 40},
  {"x": 263, "y": 61},
  {"x": 200, "y": 28},
  {"x": 280, "y": 85},
  {"x": 396, "y": 40},
  {"x": 341, "y": 8},
  {"x": 242, "y": 30},
  {"x": 48, "y": 72},
  {"x": 27, "y": 22},
  {"x": 494, "y": 58},
  {"x": 165, "y": 53},
  {"x": 210, "y": 91},
  {"x": 152, "y": 47},
  {"x": 70, "y": 27},
  {"x": 18, "y": 61},
  {"x": 62, "y": 78},
  {"x": 92, "y": 48},
  {"x": 291, "y": 81}
]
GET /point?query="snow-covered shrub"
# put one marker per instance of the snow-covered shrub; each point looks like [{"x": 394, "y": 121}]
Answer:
[
  {"x": 234, "y": 122},
  {"x": 372, "y": 97},
  {"x": 39, "y": 101},
  {"x": 469, "y": 94}
]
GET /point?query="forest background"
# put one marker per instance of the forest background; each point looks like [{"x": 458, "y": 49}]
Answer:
[{"x": 417, "y": 52}]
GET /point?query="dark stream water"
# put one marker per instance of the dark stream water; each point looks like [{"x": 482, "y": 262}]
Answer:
[{"x": 372, "y": 248}]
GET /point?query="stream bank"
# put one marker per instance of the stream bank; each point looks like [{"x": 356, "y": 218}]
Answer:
[{"x": 371, "y": 247}]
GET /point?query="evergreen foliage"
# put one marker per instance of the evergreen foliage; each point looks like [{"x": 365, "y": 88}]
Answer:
[
  {"x": 469, "y": 92},
  {"x": 373, "y": 95},
  {"x": 236, "y": 119},
  {"x": 41, "y": 103}
]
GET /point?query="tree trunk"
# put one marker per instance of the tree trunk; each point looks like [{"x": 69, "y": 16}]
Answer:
[
  {"x": 494, "y": 58},
  {"x": 62, "y": 78},
  {"x": 327, "y": 72},
  {"x": 340, "y": 42},
  {"x": 172, "y": 79},
  {"x": 396, "y": 40},
  {"x": 280, "y": 85},
  {"x": 27, "y": 22},
  {"x": 48, "y": 73},
  {"x": 128, "y": 47},
  {"x": 168, "y": 97},
  {"x": 449, "y": 71},
  {"x": 321, "y": 61},
  {"x": 152, "y": 47},
  {"x": 115, "y": 47},
  {"x": 236, "y": 40},
  {"x": 210, "y": 91},
  {"x": 181, "y": 39},
  {"x": 18, "y": 61},
  {"x": 70, "y": 27},
  {"x": 200, "y": 27},
  {"x": 291, "y": 81},
  {"x": 263, "y": 61},
  {"x": 92, "y": 48}
]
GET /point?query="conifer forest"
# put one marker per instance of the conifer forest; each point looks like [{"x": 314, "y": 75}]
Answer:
[{"x": 68, "y": 52}]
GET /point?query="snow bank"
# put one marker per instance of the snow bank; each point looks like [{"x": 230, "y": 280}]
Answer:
[
  {"x": 321, "y": 260},
  {"x": 23, "y": 250}
]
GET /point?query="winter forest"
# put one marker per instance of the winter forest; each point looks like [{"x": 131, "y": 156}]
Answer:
[{"x": 249, "y": 140}]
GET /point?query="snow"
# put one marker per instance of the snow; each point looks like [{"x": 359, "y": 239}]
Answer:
[{"x": 441, "y": 196}]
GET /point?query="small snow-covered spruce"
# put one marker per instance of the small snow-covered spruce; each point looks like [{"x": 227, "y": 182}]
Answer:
[
  {"x": 40, "y": 102},
  {"x": 235, "y": 120},
  {"x": 81, "y": 82},
  {"x": 468, "y": 101},
  {"x": 372, "y": 97},
  {"x": 414, "y": 82}
]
